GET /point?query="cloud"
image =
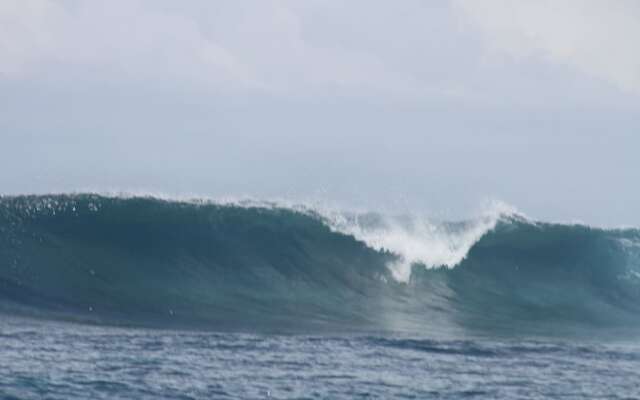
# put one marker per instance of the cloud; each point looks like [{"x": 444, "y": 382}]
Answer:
[
  {"x": 274, "y": 46},
  {"x": 437, "y": 101},
  {"x": 109, "y": 40},
  {"x": 414, "y": 50},
  {"x": 596, "y": 37},
  {"x": 25, "y": 32}
]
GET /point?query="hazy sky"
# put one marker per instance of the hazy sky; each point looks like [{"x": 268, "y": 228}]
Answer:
[{"x": 433, "y": 106}]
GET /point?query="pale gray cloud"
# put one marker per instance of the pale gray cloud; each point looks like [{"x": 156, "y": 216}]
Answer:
[
  {"x": 413, "y": 49},
  {"x": 596, "y": 37},
  {"x": 109, "y": 40},
  {"x": 432, "y": 104}
]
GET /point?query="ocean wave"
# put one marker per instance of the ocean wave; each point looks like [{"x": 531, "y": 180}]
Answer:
[{"x": 268, "y": 265}]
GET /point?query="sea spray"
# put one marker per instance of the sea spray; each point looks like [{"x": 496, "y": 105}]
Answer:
[{"x": 267, "y": 266}]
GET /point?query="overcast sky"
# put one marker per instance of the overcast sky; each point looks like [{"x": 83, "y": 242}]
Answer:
[{"x": 431, "y": 106}]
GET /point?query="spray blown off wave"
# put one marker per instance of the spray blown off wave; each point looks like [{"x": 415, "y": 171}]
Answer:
[{"x": 266, "y": 267}]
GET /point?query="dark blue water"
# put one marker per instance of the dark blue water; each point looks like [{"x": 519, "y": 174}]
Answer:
[{"x": 110, "y": 297}]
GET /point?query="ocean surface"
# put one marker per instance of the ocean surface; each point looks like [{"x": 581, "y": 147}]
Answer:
[{"x": 142, "y": 297}]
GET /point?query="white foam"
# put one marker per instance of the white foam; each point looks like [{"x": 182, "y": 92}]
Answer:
[{"x": 419, "y": 240}]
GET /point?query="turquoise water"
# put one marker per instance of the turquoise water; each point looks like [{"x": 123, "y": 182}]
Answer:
[{"x": 141, "y": 297}]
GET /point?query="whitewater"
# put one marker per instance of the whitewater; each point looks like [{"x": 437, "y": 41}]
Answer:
[{"x": 142, "y": 296}]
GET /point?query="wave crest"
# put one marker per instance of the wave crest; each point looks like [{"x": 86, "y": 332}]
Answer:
[
  {"x": 261, "y": 265},
  {"x": 419, "y": 240}
]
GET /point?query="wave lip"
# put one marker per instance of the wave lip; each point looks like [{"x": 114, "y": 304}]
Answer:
[
  {"x": 150, "y": 261},
  {"x": 419, "y": 240}
]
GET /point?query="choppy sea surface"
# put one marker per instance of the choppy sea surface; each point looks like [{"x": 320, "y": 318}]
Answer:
[
  {"x": 70, "y": 361},
  {"x": 115, "y": 297}
]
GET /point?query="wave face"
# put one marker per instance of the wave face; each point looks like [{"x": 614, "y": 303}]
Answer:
[{"x": 154, "y": 262}]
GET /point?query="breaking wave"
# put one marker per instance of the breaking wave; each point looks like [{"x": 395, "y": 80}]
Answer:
[{"x": 264, "y": 266}]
